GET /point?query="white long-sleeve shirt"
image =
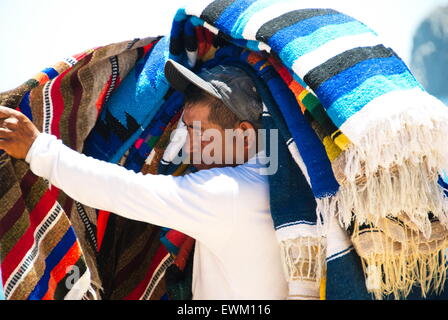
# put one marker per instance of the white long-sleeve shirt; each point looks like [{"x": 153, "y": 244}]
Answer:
[{"x": 226, "y": 210}]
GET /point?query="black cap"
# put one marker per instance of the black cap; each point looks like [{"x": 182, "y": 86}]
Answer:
[{"x": 230, "y": 84}]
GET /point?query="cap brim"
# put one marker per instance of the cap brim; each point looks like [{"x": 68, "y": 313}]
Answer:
[{"x": 180, "y": 78}]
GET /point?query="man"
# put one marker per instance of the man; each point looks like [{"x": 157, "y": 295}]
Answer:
[{"x": 224, "y": 206}]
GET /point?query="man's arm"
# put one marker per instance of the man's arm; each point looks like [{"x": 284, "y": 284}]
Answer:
[{"x": 199, "y": 204}]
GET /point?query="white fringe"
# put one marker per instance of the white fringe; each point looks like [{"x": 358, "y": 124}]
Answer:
[
  {"x": 395, "y": 165},
  {"x": 327, "y": 208},
  {"x": 303, "y": 259},
  {"x": 396, "y": 267}
]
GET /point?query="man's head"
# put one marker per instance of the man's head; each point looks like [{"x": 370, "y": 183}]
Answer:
[{"x": 222, "y": 113}]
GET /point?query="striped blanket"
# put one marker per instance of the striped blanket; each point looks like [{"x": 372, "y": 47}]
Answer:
[
  {"x": 357, "y": 201},
  {"x": 366, "y": 136},
  {"x": 86, "y": 102},
  {"x": 47, "y": 240}
]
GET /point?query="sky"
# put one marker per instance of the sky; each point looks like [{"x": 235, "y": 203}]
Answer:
[{"x": 34, "y": 34}]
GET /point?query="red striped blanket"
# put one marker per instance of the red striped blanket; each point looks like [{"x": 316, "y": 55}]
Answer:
[{"x": 47, "y": 240}]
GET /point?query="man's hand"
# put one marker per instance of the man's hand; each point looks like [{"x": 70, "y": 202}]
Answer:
[{"x": 17, "y": 133}]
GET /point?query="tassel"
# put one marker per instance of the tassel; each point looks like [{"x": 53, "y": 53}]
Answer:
[
  {"x": 304, "y": 263},
  {"x": 397, "y": 257},
  {"x": 398, "y": 151}
]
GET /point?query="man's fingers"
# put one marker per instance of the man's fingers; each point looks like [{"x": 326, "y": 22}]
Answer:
[
  {"x": 5, "y": 112},
  {"x": 11, "y": 116},
  {"x": 5, "y": 133},
  {"x": 9, "y": 123}
]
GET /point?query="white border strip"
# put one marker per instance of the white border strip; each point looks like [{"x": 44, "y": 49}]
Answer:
[{"x": 25, "y": 265}]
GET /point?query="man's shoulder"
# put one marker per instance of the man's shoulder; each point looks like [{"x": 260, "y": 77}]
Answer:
[
  {"x": 245, "y": 177},
  {"x": 237, "y": 177}
]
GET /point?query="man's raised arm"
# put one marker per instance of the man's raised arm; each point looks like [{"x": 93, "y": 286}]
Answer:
[{"x": 181, "y": 203}]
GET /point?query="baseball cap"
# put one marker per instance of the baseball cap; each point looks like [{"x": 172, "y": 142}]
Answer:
[{"x": 228, "y": 83}]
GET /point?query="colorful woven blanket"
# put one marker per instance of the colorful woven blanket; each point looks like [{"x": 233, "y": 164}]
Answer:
[
  {"x": 375, "y": 151},
  {"x": 47, "y": 240},
  {"x": 358, "y": 202}
]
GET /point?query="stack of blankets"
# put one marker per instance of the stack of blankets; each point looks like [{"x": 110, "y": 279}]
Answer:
[{"x": 358, "y": 202}]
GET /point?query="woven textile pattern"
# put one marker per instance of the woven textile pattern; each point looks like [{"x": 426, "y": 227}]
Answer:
[
  {"x": 42, "y": 256},
  {"x": 358, "y": 202}
]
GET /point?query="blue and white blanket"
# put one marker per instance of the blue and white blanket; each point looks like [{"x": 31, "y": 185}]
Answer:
[{"x": 389, "y": 131}]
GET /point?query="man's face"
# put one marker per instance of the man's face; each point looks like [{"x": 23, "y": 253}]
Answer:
[
  {"x": 200, "y": 138},
  {"x": 208, "y": 144}
]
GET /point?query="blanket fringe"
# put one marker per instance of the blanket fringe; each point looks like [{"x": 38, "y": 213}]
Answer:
[
  {"x": 94, "y": 292},
  {"x": 326, "y": 209},
  {"x": 304, "y": 259},
  {"x": 389, "y": 197},
  {"x": 395, "y": 267},
  {"x": 395, "y": 167}
]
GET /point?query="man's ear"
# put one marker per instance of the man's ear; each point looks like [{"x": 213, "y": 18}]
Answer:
[
  {"x": 245, "y": 125},
  {"x": 249, "y": 132}
]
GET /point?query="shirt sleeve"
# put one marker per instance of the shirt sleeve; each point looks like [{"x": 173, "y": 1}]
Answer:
[{"x": 200, "y": 204}]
